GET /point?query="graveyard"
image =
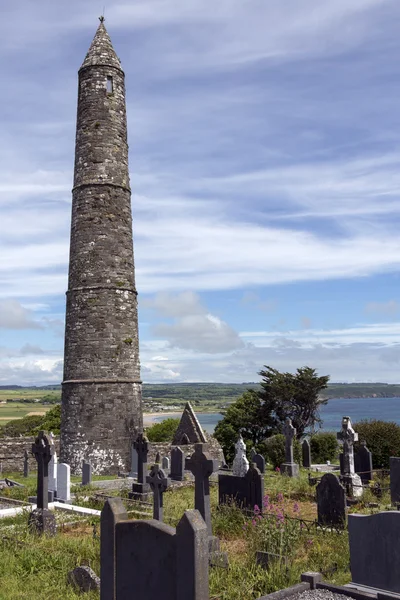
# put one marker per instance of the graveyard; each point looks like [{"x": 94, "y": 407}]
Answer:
[{"x": 255, "y": 530}]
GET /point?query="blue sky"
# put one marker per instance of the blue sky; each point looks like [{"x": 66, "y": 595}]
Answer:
[{"x": 265, "y": 168}]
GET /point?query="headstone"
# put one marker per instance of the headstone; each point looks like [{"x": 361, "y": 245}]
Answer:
[
  {"x": 158, "y": 482},
  {"x": 259, "y": 461},
  {"x": 247, "y": 492},
  {"x": 84, "y": 579},
  {"x": 63, "y": 482},
  {"x": 202, "y": 466},
  {"x": 53, "y": 473},
  {"x": 158, "y": 458},
  {"x": 375, "y": 550},
  {"x": 113, "y": 512},
  {"x": 363, "y": 463},
  {"x": 177, "y": 464},
  {"x": 240, "y": 463},
  {"x": 26, "y": 464},
  {"x": 306, "y": 453},
  {"x": 134, "y": 462},
  {"x": 189, "y": 429},
  {"x": 289, "y": 467},
  {"x": 166, "y": 563},
  {"x": 165, "y": 463},
  {"x": 141, "y": 489},
  {"x": 394, "y": 480},
  {"x": 86, "y": 473},
  {"x": 41, "y": 519},
  {"x": 351, "y": 480},
  {"x": 331, "y": 501},
  {"x": 252, "y": 454}
]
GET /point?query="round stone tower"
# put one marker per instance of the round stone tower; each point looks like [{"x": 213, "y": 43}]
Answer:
[{"x": 101, "y": 391}]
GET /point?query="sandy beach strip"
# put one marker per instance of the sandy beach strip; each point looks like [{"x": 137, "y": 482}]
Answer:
[{"x": 151, "y": 418}]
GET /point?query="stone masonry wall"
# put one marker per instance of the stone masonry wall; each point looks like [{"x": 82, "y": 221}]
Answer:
[{"x": 12, "y": 451}]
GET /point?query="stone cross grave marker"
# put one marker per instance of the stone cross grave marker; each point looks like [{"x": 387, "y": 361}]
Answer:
[
  {"x": 348, "y": 436},
  {"x": 306, "y": 452},
  {"x": 141, "y": 446},
  {"x": 141, "y": 489},
  {"x": 64, "y": 482},
  {"x": 165, "y": 463},
  {"x": 289, "y": 467},
  {"x": 158, "y": 482},
  {"x": 202, "y": 466},
  {"x": 26, "y": 463},
  {"x": 240, "y": 463},
  {"x": 41, "y": 519},
  {"x": 86, "y": 473}
]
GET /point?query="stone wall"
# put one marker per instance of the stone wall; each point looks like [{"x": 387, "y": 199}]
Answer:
[{"x": 12, "y": 451}]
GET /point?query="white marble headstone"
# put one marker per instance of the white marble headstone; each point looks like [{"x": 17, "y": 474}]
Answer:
[
  {"x": 53, "y": 464},
  {"x": 64, "y": 482},
  {"x": 240, "y": 463}
]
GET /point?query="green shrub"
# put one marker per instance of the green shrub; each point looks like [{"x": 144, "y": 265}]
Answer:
[
  {"x": 32, "y": 425},
  {"x": 324, "y": 447},
  {"x": 163, "y": 432},
  {"x": 382, "y": 438},
  {"x": 274, "y": 450}
]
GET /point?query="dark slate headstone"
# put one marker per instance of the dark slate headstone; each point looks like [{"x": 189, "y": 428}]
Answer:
[
  {"x": 158, "y": 458},
  {"x": 165, "y": 563},
  {"x": 331, "y": 501},
  {"x": 375, "y": 550},
  {"x": 363, "y": 463},
  {"x": 86, "y": 473},
  {"x": 394, "y": 480},
  {"x": 252, "y": 454},
  {"x": 306, "y": 453},
  {"x": 26, "y": 463},
  {"x": 177, "y": 464},
  {"x": 113, "y": 512},
  {"x": 84, "y": 579},
  {"x": 259, "y": 461},
  {"x": 246, "y": 492}
]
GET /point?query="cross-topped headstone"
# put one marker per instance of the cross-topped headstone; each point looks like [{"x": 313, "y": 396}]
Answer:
[
  {"x": 141, "y": 445},
  {"x": 158, "y": 482},
  {"x": 42, "y": 451},
  {"x": 289, "y": 432},
  {"x": 348, "y": 436},
  {"x": 202, "y": 466},
  {"x": 42, "y": 519}
]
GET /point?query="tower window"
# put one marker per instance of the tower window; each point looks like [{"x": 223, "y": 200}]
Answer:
[{"x": 110, "y": 87}]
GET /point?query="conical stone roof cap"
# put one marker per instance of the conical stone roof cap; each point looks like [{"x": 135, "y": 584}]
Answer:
[{"x": 101, "y": 51}]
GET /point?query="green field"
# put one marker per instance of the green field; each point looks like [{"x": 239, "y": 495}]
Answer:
[{"x": 17, "y": 410}]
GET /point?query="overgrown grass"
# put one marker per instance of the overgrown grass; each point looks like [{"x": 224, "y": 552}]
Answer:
[{"x": 31, "y": 566}]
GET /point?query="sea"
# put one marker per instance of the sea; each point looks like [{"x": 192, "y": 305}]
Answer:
[{"x": 385, "y": 409}]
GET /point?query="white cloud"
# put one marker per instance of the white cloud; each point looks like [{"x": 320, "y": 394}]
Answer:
[
  {"x": 14, "y": 316},
  {"x": 193, "y": 327}
]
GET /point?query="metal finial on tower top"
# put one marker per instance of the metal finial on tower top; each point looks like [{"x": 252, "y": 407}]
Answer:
[{"x": 102, "y": 19}]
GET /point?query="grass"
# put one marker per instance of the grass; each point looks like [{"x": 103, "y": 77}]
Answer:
[{"x": 31, "y": 566}]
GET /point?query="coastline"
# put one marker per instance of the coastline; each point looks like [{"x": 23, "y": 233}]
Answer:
[{"x": 150, "y": 418}]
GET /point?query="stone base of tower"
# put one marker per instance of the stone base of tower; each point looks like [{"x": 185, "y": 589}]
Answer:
[{"x": 98, "y": 423}]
